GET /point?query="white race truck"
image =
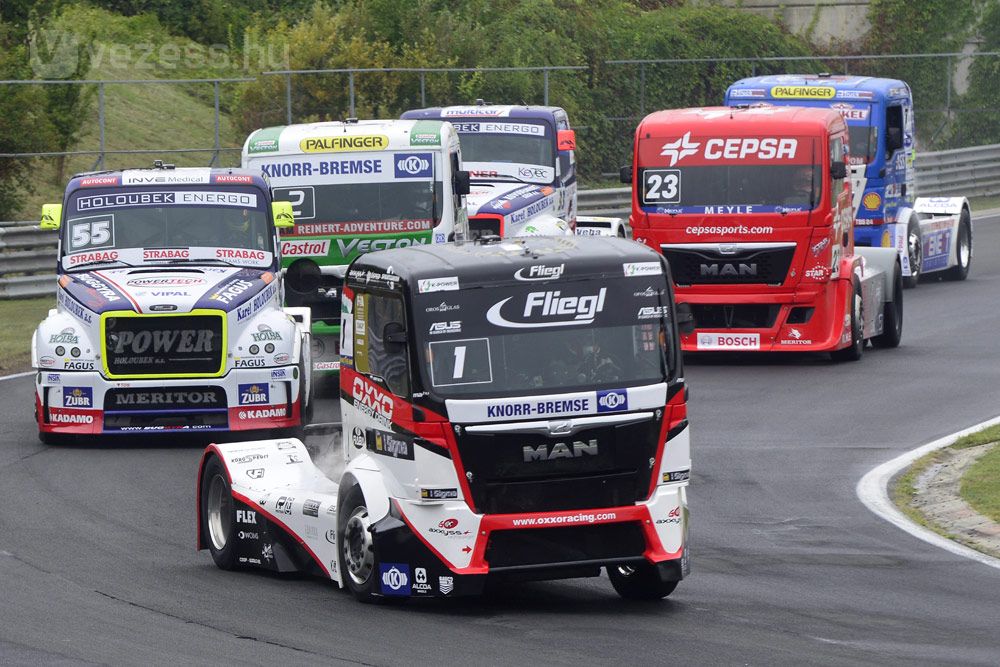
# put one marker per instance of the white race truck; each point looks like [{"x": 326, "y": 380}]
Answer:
[
  {"x": 168, "y": 316},
  {"x": 355, "y": 187},
  {"x": 523, "y": 165},
  {"x": 511, "y": 410}
]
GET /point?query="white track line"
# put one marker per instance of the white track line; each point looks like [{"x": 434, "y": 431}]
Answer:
[
  {"x": 16, "y": 375},
  {"x": 873, "y": 490}
]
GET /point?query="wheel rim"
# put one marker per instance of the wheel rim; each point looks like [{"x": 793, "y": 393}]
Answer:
[
  {"x": 625, "y": 570},
  {"x": 915, "y": 252},
  {"x": 219, "y": 505},
  {"x": 857, "y": 331},
  {"x": 964, "y": 249},
  {"x": 359, "y": 550}
]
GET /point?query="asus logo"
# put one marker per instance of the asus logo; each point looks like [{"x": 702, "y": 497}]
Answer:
[
  {"x": 560, "y": 450},
  {"x": 729, "y": 269}
]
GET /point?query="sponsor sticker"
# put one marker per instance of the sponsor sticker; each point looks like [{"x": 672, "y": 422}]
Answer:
[
  {"x": 642, "y": 269},
  {"x": 342, "y": 143},
  {"x": 78, "y": 397},
  {"x": 445, "y": 284},
  {"x": 311, "y": 508},
  {"x": 254, "y": 394},
  {"x": 803, "y": 92},
  {"x": 395, "y": 579},
  {"x": 438, "y": 494},
  {"x": 612, "y": 400},
  {"x": 414, "y": 165},
  {"x": 736, "y": 341},
  {"x": 305, "y": 248},
  {"x": 389, "y": 444}
]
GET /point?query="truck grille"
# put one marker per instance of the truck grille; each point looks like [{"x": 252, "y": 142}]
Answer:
[
  {"x": 747, "y": 266},
  {"x": 544, "y": 546},
  {"x": 600, "y": 467},
  {"x": 158, "y": 345},
  {"x": 734, "y": 316}
]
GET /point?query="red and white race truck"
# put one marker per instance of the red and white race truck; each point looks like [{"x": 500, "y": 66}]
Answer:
[{"x": 752, "y": 208}]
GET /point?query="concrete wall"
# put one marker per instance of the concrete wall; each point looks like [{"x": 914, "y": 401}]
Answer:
[{"x": 820, "y": 20}]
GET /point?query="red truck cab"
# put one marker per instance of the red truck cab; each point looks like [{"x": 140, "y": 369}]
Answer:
[{"x": 752, "y": 208}]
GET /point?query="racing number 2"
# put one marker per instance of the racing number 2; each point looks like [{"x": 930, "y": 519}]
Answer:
[{"x": 661, "y": 186}]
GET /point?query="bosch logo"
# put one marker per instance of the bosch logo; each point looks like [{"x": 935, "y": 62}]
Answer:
[{"x": 412, "y": 164}]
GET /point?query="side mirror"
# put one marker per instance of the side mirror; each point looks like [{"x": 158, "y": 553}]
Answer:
[
  {"x": 685, "y": 318},
  {"x": 462, "y": 182},
  {"x": 838, "y": 170},
  {"x": 394, "y": 337},
  {"x": 566, "y": 140},
  {"x": 625, "y": 174},
  {"x": 51, "y": 216},
  {"x": 284, "y": 214}
]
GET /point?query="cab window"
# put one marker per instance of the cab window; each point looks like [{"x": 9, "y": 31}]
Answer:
[
  {"x": 380, "y": 350},
  {"x": 893, "y": 129}
]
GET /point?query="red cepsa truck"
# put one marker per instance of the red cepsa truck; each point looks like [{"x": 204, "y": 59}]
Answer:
[{"x": 752, "y": 208}]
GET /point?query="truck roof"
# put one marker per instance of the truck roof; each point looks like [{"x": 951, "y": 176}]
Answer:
[
  {"x": 484, "y": 264},
  {"x": 786, "y": 87},
  {"x": 489, "y": 111},
  {"x": 167, "y": 176},
  {"x": 738, "y": 120},
  {"x": 378, "y": 135}
]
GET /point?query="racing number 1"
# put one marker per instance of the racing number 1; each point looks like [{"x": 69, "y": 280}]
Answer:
[{"x": 459, "y": 363}]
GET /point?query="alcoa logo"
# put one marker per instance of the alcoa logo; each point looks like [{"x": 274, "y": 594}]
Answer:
[
  {"x": 413, "y": 164},
  {"x": 567, "y": 311}
]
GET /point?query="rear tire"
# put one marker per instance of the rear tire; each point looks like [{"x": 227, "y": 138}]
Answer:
[
  {"x": 356, "y": 547},
  {"x": 853, "y": 351},
  {"x": 915, "y": 249},
  {"x": 639, "y": 582},
  {"x": 963, "y": 249},
  {"x": 218, "y": 514},
  {"x": 892, "y": 313}
]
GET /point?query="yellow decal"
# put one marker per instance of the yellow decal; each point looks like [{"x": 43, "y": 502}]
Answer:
[
  {"x": 342, "y": 143},
  {"x": 872, "y": 201},
  {"x": 803, "y": 92}
]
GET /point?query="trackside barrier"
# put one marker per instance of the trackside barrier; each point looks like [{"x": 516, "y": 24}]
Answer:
[{"x": 975, "y": 171}]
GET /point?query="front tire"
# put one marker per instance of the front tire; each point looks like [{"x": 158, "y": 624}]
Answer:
[
  {"x": 915, "y": 250},
  {"x": 963, "y": 249},
  {"x": 853, "y": 351},
  {"x": 218, "y": 514},
  {"x": 892, "y": 314},
  {"x": 356, "y": 546},
  {"x": 639, "y": 582}
]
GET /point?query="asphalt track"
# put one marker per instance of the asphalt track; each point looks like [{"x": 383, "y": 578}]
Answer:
[{"x": 97, "y": 559}]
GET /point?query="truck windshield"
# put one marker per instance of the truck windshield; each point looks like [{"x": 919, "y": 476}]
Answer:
[
  {"x": 864, "y": 142},
  {"x": 517, "y": 142},
  {"x": 364, "y": 208},
  {"x": 729, "y": 175},
  {"x": 612, "y": 335},
  {"x": 156, "y": 224}
]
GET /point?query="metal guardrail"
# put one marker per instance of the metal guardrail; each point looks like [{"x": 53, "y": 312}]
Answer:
[{"x": 25, "y": 249}]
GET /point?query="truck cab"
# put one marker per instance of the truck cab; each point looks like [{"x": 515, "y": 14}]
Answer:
[
  {"x": 931, "y": 234},
  {"x": 355, "y": 187},
  {"x": 752, "y": 209},
  {"x": 523, "y": 166},
  {"x": 512, "y": 409},
  {"x": 168, "y": 316}
]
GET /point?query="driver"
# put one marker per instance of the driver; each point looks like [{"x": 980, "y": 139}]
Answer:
[{"x": 799, "y": 191}]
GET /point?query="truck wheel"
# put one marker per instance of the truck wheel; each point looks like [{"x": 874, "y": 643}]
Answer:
[
  {"x": 892, "y": 314},
  {"x": 963, "y": 250},
  {"x": 639, "y": 582},
  {"x": 853, "y": 351},
  {"x": 915, "y": 249},
  {"x": 356, "y": 546},
  {"x": 217, "y": 514}
]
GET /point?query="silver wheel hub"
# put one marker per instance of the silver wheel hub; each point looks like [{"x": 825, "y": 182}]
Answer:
[
  {"x": 964, "y": 250},
  {"x": 219, "y": 511},
  {"x": 915, "y": 252},
  {"x": 358, "y": 548}
]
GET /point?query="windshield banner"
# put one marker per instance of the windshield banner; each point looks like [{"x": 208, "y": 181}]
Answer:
[{"x": 153, "y": 256}]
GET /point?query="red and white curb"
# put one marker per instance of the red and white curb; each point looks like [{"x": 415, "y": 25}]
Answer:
[{"x": 873, "y": 491}]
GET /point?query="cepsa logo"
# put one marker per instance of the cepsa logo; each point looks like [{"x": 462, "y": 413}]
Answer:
[
  {"x": 732, "y": 148},
  {"x": 344, "y": 143}
]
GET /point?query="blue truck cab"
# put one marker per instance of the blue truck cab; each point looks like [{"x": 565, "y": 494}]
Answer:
[{"x": 932, "y": 234}]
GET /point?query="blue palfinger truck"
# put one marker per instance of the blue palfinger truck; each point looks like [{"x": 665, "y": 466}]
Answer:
[{"x": 932, "y": 234}]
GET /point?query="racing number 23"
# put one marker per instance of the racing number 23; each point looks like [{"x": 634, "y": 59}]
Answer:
[{"x": 661, "y": 186}]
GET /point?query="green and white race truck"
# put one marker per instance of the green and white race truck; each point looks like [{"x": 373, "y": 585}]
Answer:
[{"x": 356, "y": 186}]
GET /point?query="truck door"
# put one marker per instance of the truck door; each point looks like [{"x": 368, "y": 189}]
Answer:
[{"x": 895, "y": 160}]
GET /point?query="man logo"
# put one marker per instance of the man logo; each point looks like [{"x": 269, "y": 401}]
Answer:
[
  {"x": 729, "y": 270},
  {"x": 560, "y": 450}
]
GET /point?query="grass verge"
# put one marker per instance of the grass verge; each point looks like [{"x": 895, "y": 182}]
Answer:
[
  {"x": 19, "y": 318},
  {"x": 981, "y": 485}
]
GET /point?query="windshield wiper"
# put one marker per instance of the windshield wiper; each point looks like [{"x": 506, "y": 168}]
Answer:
[
  {"x": 100, "y": 261},
  {"x": 188, "y": 260},
  {"x": 500, "y": 177}
]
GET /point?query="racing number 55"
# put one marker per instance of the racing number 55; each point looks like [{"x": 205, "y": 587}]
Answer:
[
  {"x": 90, "y": 234},
  {"x": 661, "y": 186}
]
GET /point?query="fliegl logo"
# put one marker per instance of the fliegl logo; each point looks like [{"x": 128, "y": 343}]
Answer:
[
  {"x": 540, "y": 272},
  {"x": 550, "y": 309}
]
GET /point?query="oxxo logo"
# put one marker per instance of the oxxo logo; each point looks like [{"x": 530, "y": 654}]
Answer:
[{"x": 371, "y": 400}]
